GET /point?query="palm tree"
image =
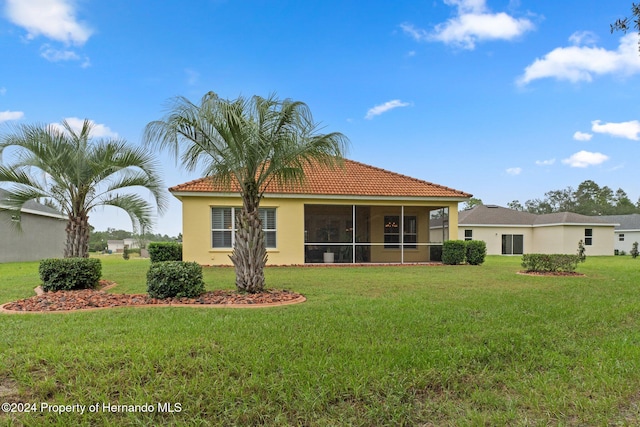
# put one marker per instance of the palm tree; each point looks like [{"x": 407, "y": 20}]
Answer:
[
  {"x": 252, "y": 142},
  {"x": 73, "y": 173}
]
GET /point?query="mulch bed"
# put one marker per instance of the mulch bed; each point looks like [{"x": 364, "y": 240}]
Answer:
[
  {"x": 92, "y": 299},
  {"x": 551, "y": 273}
]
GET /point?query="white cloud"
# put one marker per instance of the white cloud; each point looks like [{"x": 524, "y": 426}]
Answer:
[
  {"x": 629, "y": 130},
  {"x": 383, "y": 108},
  {"x": 582, "y": 136},
  {"x": 583, "y": 37},
  {"x": 473, "y": 23},
  {"x": 583, "y": 159},
  {"x": 55, "y": 55},
  {"x": 548, "y": 162},
  {"x": 514, "y": 171},
  {"x": 582, "y": 63},
  {"x": 54, "y": 19},
  {"x": 98, "y": 130},
  {"x": 416, "y": 33},
  {"x": 6, "y": 116}
]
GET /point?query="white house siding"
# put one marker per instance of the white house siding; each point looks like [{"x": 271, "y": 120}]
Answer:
[{"x": 630, "y": 236}]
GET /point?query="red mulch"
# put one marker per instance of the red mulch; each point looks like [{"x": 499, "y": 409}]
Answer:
[{"x": 89, "y": 298}]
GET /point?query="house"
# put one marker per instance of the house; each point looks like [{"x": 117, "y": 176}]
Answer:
[
  {"x": 41, "y": 232},
  {"x": 351, "y": 214},
  {"x": 117, "y": 246},
  {"x": 512, "y": 232},
  {"x": 627, "y": 231}
]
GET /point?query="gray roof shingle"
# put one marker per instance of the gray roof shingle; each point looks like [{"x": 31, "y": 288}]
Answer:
[
  {"x": 625, "y": 222},
  {"x": 497, "y": 215}
]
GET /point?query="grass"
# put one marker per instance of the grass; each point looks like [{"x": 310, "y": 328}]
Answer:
[{"x": 418, "y": 345}]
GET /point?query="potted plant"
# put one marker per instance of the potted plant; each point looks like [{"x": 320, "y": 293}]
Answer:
[{"x": 326, "y": 236}]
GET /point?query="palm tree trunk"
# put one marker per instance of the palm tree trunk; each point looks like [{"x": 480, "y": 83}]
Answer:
[
  {"x": 249, "y": 254},
  {"x": 77, "y": 244}
]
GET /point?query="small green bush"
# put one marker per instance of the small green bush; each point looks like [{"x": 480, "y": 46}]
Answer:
[
  {"x": 168, "y": 279},
  {"x": 69, "y": 273},
  {"x": 476, "y": 251},
  {"x": 634, "y": 250},
  {"x": 165, "y": 251},
  {"x": 453, "y": 252},
  {"x": 550, "y": 262}
]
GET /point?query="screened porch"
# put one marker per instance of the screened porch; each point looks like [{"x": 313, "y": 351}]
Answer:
[{"x": 371, "y": 234}]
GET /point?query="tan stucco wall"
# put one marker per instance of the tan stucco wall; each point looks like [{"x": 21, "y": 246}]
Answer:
[
  {"x": 196, "y": 214},
  {"x": 564, "y": 239},
  {"x": 492, "y": 236}
]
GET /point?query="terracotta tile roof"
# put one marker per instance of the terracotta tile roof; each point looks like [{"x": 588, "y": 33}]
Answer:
[{"x": 354, "y": 179}]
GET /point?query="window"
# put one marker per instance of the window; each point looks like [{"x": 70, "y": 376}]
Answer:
[
  {"x": 512, "y": 244},
  {"x": 223, "y": 226},
  {"x": 392, "y": 232},
  {"x": 468, "y": 234},
  {"x": 410, "y": 232},
  {"x": 268, "y": 218},
  {"x": 621, "y": 237},
  {"x": 588, "y": 236}
]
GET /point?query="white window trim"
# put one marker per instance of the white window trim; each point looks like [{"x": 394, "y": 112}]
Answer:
[{"x": 234, "y": 228}]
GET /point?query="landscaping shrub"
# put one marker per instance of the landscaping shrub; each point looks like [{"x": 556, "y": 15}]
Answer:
[
  {"x": 453, "y": 252},
  {"x": 179, "y": 279},
  {"x": 634, "y": 250},
  {"x": 550, "y": 262},
  {"x": 70, "y": 273},
  {"x": 582, "y": 252},
  {"x": 165, "y": 251},
  {"x": 476, "y": 251}
]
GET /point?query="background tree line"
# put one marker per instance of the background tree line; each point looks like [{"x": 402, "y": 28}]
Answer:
[
  {"x": 98, "y": 239},
  {"x": 588, "y": 199}
]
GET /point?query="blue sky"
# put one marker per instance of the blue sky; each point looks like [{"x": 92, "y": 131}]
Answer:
[{"x": 502, "y": 99}]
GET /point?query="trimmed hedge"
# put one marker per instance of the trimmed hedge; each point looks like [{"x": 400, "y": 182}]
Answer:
[
  {"x": 476, "y": 251},
  {"x": 550, "y": 262},
  {"x": 165, "y": 251},
  {"x": 168, "y": 279},
  {"x": 69, "y": 273},
  {"x": 453, "y": 252}
]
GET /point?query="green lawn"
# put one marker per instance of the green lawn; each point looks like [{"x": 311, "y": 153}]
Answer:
[{"x": 372, "y": 346}]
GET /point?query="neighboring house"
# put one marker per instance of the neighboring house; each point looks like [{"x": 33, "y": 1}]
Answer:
[
  {"x": 511, "y": 232},
  {"x": 355, "y": 214},
  {"x": 627, "y": 231},
  {"x": 117, "y": 246},
  {"x": 41, "y": 234}
]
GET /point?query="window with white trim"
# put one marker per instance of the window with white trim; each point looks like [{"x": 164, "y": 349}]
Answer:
[
  {"x": 468, "y": 234},
  {"x": 621, "y": 237},
  {"x": 223, "y": 226}
]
